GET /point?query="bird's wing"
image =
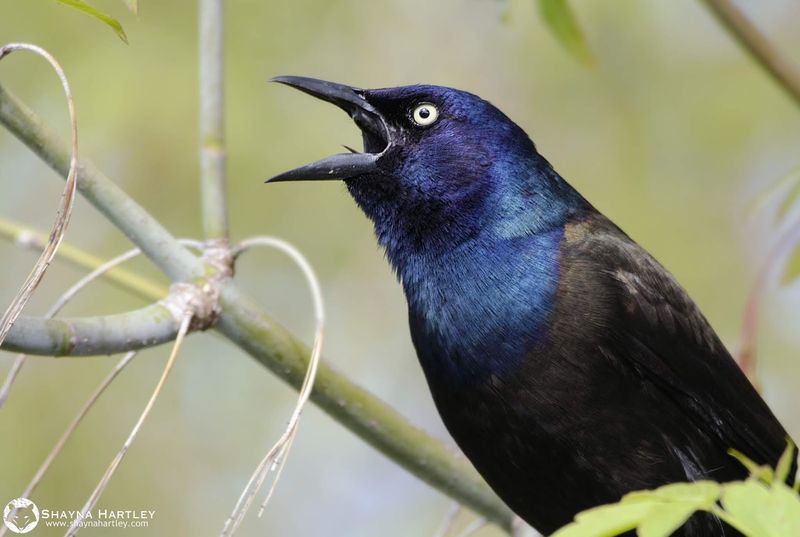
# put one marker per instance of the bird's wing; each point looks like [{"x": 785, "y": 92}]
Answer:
[{"x": 661, "y": 334}]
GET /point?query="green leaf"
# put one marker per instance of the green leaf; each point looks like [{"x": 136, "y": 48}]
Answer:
[
  {"x": 673, "y": 505},
  {"x": 791, "y": 270},
  {"x": 133, "y": 6},
  {"x": 606, "y": 520},
  {"x": 657, "y": 513},
  {"x": 702, "y": 494},
  {"x": 756, "y": 509},
  {"x": 94, "y": 12},
  {"x": 764, "y": 473},
  {"x": 558, "y": 16},
  {"x": 664, "y": 520},
  {"x": 784, "y": 465}
]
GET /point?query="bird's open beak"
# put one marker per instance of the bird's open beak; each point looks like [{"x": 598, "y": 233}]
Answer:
[{"x": 371, "y": 123}]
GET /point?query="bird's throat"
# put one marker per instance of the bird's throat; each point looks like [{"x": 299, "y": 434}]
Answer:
[{"x": 479, "y": 311}]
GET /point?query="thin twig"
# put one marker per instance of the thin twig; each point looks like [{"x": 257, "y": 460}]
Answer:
[
  {"x": 55, "y": 308},
  {"x": 68, "y": 432},
  {"x": 67, "y": 198},
  {"x": 275, "y": 459},
  {"x": 11, "y": 376},
  {"x": 780, "y": 67},
  {"x": 87, "y": 406},
  {"x": 449, "y": 519},
  {"x": 474, "y": 527},
  {"x": 101, "y": 486}
]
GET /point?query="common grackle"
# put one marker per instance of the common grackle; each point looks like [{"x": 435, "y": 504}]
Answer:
[{"x": 567, "y": 363}]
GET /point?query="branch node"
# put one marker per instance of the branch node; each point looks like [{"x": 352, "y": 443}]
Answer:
[
  {"x": 201, "y": 301},
  {"x": 218, "y": 255}
]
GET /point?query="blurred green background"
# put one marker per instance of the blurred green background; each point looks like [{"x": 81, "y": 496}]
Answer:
[{"x": 672, "y": 133}]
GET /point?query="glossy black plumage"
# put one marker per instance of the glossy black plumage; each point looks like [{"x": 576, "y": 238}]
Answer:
[
  {"x": 633, "y": 390},
  {"x": 569, "y": 365}
]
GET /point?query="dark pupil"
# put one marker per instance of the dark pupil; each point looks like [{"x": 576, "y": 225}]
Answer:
[{"x": 424, "y": 113}]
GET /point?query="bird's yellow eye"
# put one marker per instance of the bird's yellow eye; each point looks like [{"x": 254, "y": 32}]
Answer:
[{"x": 425, "y": 114}]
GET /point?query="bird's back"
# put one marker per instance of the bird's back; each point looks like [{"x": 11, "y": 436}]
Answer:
[{"x": 628, "y": 388}]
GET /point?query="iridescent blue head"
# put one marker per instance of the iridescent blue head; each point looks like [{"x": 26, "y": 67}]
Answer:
[
  {"x": 469, "y": 213},
  {"x": 440, "y": 166}
]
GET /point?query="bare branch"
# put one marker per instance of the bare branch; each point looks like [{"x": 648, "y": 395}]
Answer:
[
  {"x": 92, "y": 336},
  {"x": 141, "y": 228},
  {"x": 212, "y": 126},
  {"x": 782, "y": 70},
  {"x": 67, "y": 198}
]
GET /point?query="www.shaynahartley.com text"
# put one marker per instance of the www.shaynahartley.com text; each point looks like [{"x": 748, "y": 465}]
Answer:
[{"x": 99, "y": 514}]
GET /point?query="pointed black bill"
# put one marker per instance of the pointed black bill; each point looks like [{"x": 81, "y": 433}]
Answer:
[
  {"x": 340, "y": 166},
  {"x": 369, "y": 120}
]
